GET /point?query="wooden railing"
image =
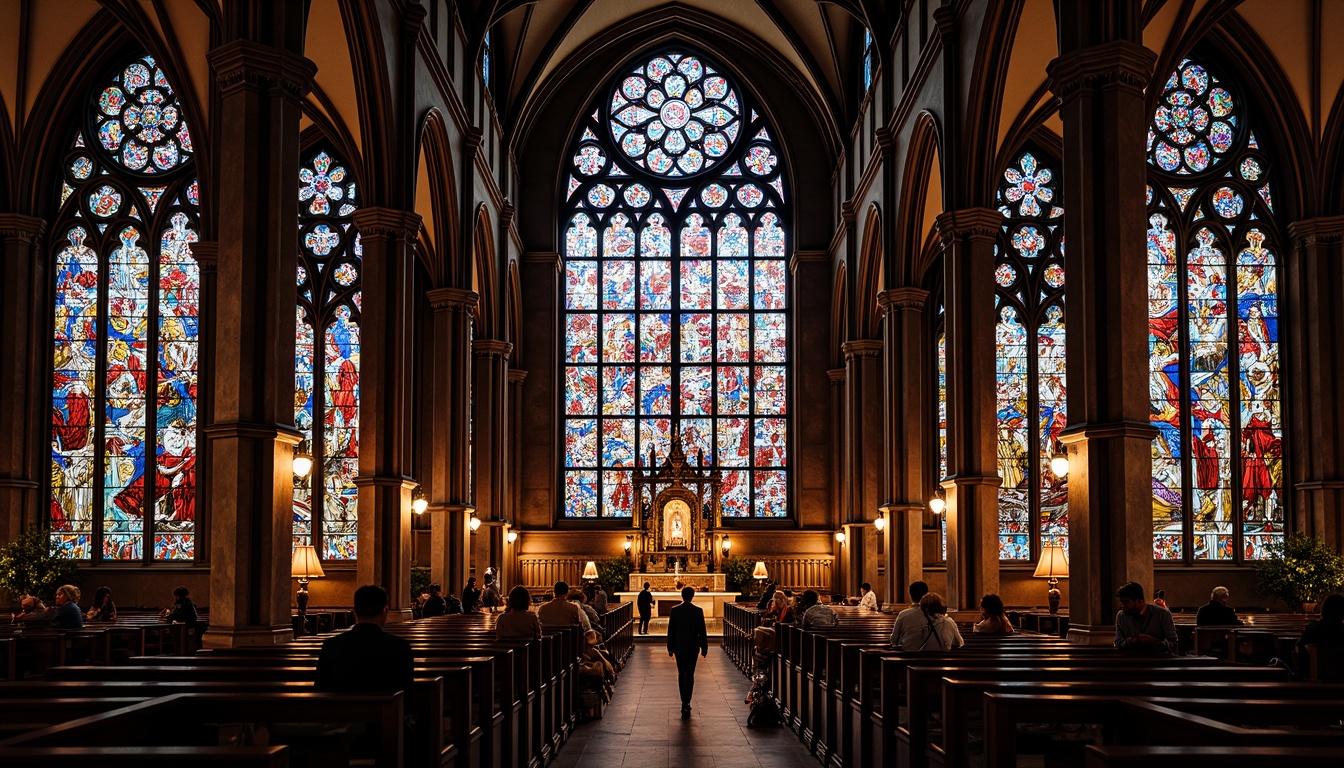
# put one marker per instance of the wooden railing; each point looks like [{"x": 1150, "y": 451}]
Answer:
[
  {"x": 539, "y": 574},
  {"x": 800, "y": 573}
]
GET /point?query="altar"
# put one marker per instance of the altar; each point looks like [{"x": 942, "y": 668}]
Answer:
[
  {"x": 667, "y": 582},
  {"x": 663, "y": 602}
]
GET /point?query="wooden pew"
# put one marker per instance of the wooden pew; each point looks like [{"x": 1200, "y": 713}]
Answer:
[
  {"x": 136, "y": 757},
  {"x": 1209, "y": 757}
]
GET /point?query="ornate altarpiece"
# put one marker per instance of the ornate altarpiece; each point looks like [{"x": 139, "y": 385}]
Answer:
[{"x": 680, "y": 511}]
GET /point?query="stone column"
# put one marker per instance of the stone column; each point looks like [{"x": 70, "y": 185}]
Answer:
[
  {"x": 449, "y": 411},
  {"x": 251, "y": 433},
  {"x": 967, "y": 239},
  {"x": 386, "y": 330},
  {"x": 515, "y": 473},
  {"x": 22, "y": 282},
  {"x": 491, "y": 447},
  {"x": 905, "y": 383},
  {"x": 839, "y": 489},
  {"x": 206, "y": 253},
  {"x": 1099, "y": 79},
  {"x": 1314, "y": 274},
  {"x": 862, "y": 449}
]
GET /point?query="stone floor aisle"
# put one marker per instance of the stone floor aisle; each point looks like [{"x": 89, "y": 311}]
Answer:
[{"x": 642, "y": 727}]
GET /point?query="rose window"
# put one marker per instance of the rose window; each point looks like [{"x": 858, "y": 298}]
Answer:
[
  {"x": 1195, "y": 122},
  {"x": 675, "y": 116},
  {"x": 139, "y": 120}
]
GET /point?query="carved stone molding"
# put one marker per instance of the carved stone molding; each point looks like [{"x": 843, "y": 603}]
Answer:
[
  {"x": 908, "y": 297},
  {"x": 968, "y": 224},
  {"x": 454, "y": 299},
  {"x": 26, "y": 229},
  {"x": 206, "y": 253},
  {"x": 387, "y": 222},
  {"x": 861, "y": 348},
  {"x": 243, "y": 63},
  {"x": 1310, "y": 232},
  {"x": 517, "y": 376},
  {"x": 836, "y": 375},
  {"x": 491, "y": 348},
  {"x": 1119, "y": 63}
]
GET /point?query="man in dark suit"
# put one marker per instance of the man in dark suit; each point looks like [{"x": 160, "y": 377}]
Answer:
[
  {"x": 366, "y": 659},
  {"x": 686, "y": 636},
  {"x": 645, "y": 603}
]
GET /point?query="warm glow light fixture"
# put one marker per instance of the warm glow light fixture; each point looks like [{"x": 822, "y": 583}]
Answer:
[
  {"x": 418, "y": 501},
  {"x": 1053, "y": 565},
  {"x": 881, "y": 522},
  {"x": 474, "y": 523},
  {"x": 512, "y": 537},
  {"x": 937, "y": 504},
  {"x": 727, "y": 544},
  {"x": 590, "y": 571},
  {"x": 303, "y": 461},
  {"x": 629, "y": 542},
  {"x": 841, "y": 537},
  {"x": 1059, "y": 463},
  {"x": 760, "y": 572}
]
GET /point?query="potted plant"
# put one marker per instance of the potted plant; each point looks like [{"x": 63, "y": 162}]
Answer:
[
  {"x": 30, "y": 565},
  {"x": 1299, "y": 570},
  {"x": 613, "y": 573},
  {"x": 737, "y": 574}
]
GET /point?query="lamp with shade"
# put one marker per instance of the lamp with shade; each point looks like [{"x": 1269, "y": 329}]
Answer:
[
  {"x": 760, "y": 572},
  {"x": 303, "y": 567},
  {"x": 1053, "y": 565},
  {"x": 590, "y": 571}
]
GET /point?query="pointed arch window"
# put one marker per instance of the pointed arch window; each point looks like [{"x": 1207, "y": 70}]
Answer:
[
  {"x": 869, "y": 60},
  {"x": 1213, "y": 326},
  {"x": 1029, "y": 301},
  {"x": 326, "y": 364},
  {"x": 124, "y": 428},
  {"x": 676, "y": 289}
]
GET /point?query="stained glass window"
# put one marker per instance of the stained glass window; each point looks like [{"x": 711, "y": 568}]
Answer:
[
  {"x": 125, "y": 336},
  {"x": 1212, "y": 326},
  {"x": 1029, "y": 300},
  {"x": 326, "y": 361},
  {"x": 485, "y": 60},
  {"x": 676, "y": 290},
  {"x": 940, "y": 344},
  {"x": 869, "y": 60}
]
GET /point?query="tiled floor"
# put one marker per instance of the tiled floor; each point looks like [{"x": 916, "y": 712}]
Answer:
[{"x": 642, "y": 727}]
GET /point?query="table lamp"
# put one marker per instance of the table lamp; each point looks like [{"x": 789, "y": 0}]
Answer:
[
  {"x": 760, "y": 572},
  {"x": 305, "y": 566},
  {"x": 590, "y": 571},
  {"x": 1053, "y": 565}
]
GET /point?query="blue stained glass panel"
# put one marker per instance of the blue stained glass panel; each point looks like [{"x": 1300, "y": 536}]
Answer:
[
  {"x": 618, "y": 390},
  {"x": 580, "y": 442}
]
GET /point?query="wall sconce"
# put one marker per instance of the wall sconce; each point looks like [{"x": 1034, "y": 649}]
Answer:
[
  {"x": 881, "y": 522},
  {"x": 512, "y": 537},
  {"x": 474, "y": 523},
  {"x": 727, "y": 545},
  {"x": 303, "y": 460},
  {"x": 418, "y": 501},
  {"x": 1059, "y": 462},
  {"x": 937, "y": 504},
  {"x": 841, "y": 537},
  {"x": 629, "y": 542}
]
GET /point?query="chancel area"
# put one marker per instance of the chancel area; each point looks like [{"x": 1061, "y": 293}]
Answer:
[{"x": 973, "y": 363}]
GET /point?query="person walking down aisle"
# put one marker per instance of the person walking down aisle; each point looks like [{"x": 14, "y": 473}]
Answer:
[
  {"x": 686, "y": 636},
  {"x": 645, "y": 602}
]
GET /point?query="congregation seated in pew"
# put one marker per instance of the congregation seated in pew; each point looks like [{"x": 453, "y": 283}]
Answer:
[
  {"x": 364, "y": 658},
  {"x": 1142, "y": 628},
  {"x": 1216, "y": 612},
  {"x": 103, "y": 609}
]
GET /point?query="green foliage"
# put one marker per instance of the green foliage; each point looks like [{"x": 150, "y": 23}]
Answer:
[
  {"x": 29, "y": 565},
  {"x": 613, "y": 573},
  {"x": 737, "y": 572},
  {"x": 1299, "y": 570},
  {"x": 419, "y": 581}
]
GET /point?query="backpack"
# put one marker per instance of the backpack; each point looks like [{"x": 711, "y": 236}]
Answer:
[{"x": 764, "y": 714}]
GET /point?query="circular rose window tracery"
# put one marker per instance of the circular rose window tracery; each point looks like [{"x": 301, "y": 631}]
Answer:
[
  {"x": 1194, "y": 125},
  {"x": 139, "y": 122},
  {"x": 675, "y": 116}
]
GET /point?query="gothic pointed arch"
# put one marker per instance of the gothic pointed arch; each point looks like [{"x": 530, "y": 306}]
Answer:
[{"x": 676, "y": 236}]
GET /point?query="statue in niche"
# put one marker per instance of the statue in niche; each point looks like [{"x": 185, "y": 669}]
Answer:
[
  {"x": 678, "y": 537},
  {"x": 676, "y": 524}
]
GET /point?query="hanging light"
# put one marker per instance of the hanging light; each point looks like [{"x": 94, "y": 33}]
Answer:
[
  {"x": 881, "y": 522},
  {"x": 727, "y": 544},
  {"x": 418, "y": 501},
  {"x": 937, "y": 504},
  {"x": 303, "y": 460},
  {"x": 1059, "y": 463}
]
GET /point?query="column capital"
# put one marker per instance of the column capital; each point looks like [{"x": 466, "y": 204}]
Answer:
[
  {"x": 491, "y": 348},
  {"x": 548, "y": 258},
  {"x": 455, "y": 299},
  {"x": 1323, "y": 229},
  {"x": 836, "y": 375},
  {"x": 206, "y": 253},
  {"x": 412, "y": 18},
  {"x": 387, "y": 222},
  {"x": 506, "y": 214},
  {"x": 861, "y": 348},
  {"x": 885, "y": 139},
  {"x": 967, "y": 224},
  {"x": 908, "y": 297},
  {"x": 517, "y": 376},
  {"x": 472, "y": 139},
  {"x": 16, "y": 226},
  {"x": 1119, "y": 63},
  {"x": 243, "y": 64}
]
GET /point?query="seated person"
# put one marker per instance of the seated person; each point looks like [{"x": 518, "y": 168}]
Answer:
[
  {"x": 940, "y": 632},
  {"x": 103, "y": 609},
  {"x": 581, "y": 600},
  {"x": 993, "y": 621},
  {"x": 435, "y": 605},
  {"x": 1328, "y": 632},
  {"x": 559, "y": 612},
  {"x": 183, "y": 611},
  {"x": 1216, "y": 613},
  {"x": 816, "y": 615},
  {"x": 908, "y": 630},
  {"x": 33, "y": 612},
  {"x": 867, "y": 597},
  {"x": 518, "y": 620},
  {"x": 364, "y": 658},
  {"x": 68, "y": 615},
  {"x": 1143, "y": 628}
]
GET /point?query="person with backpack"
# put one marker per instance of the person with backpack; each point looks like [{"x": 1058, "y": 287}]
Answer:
[{"x": 940, "y": 632}]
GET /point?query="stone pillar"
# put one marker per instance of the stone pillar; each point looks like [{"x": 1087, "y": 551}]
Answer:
[
  {"x": 514, "y": 475},
  {"x": 839, "y": 489},
  {"x": 967, "y": 238},
  {"x": 22, "y": 282},
  {"x": 449, "y": 409},
  {"x": 1099, "y": 79},
  {"x": 386, "y": 330},
  {"x": 251, "y": 433},
  {"x": 862, "y": 451},
  {"x": 906, "y": 421},
  {"x": 491, "y": 446},
  {"x": 206, "y": 253},
  {"x": 1314, "y": 274}
]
